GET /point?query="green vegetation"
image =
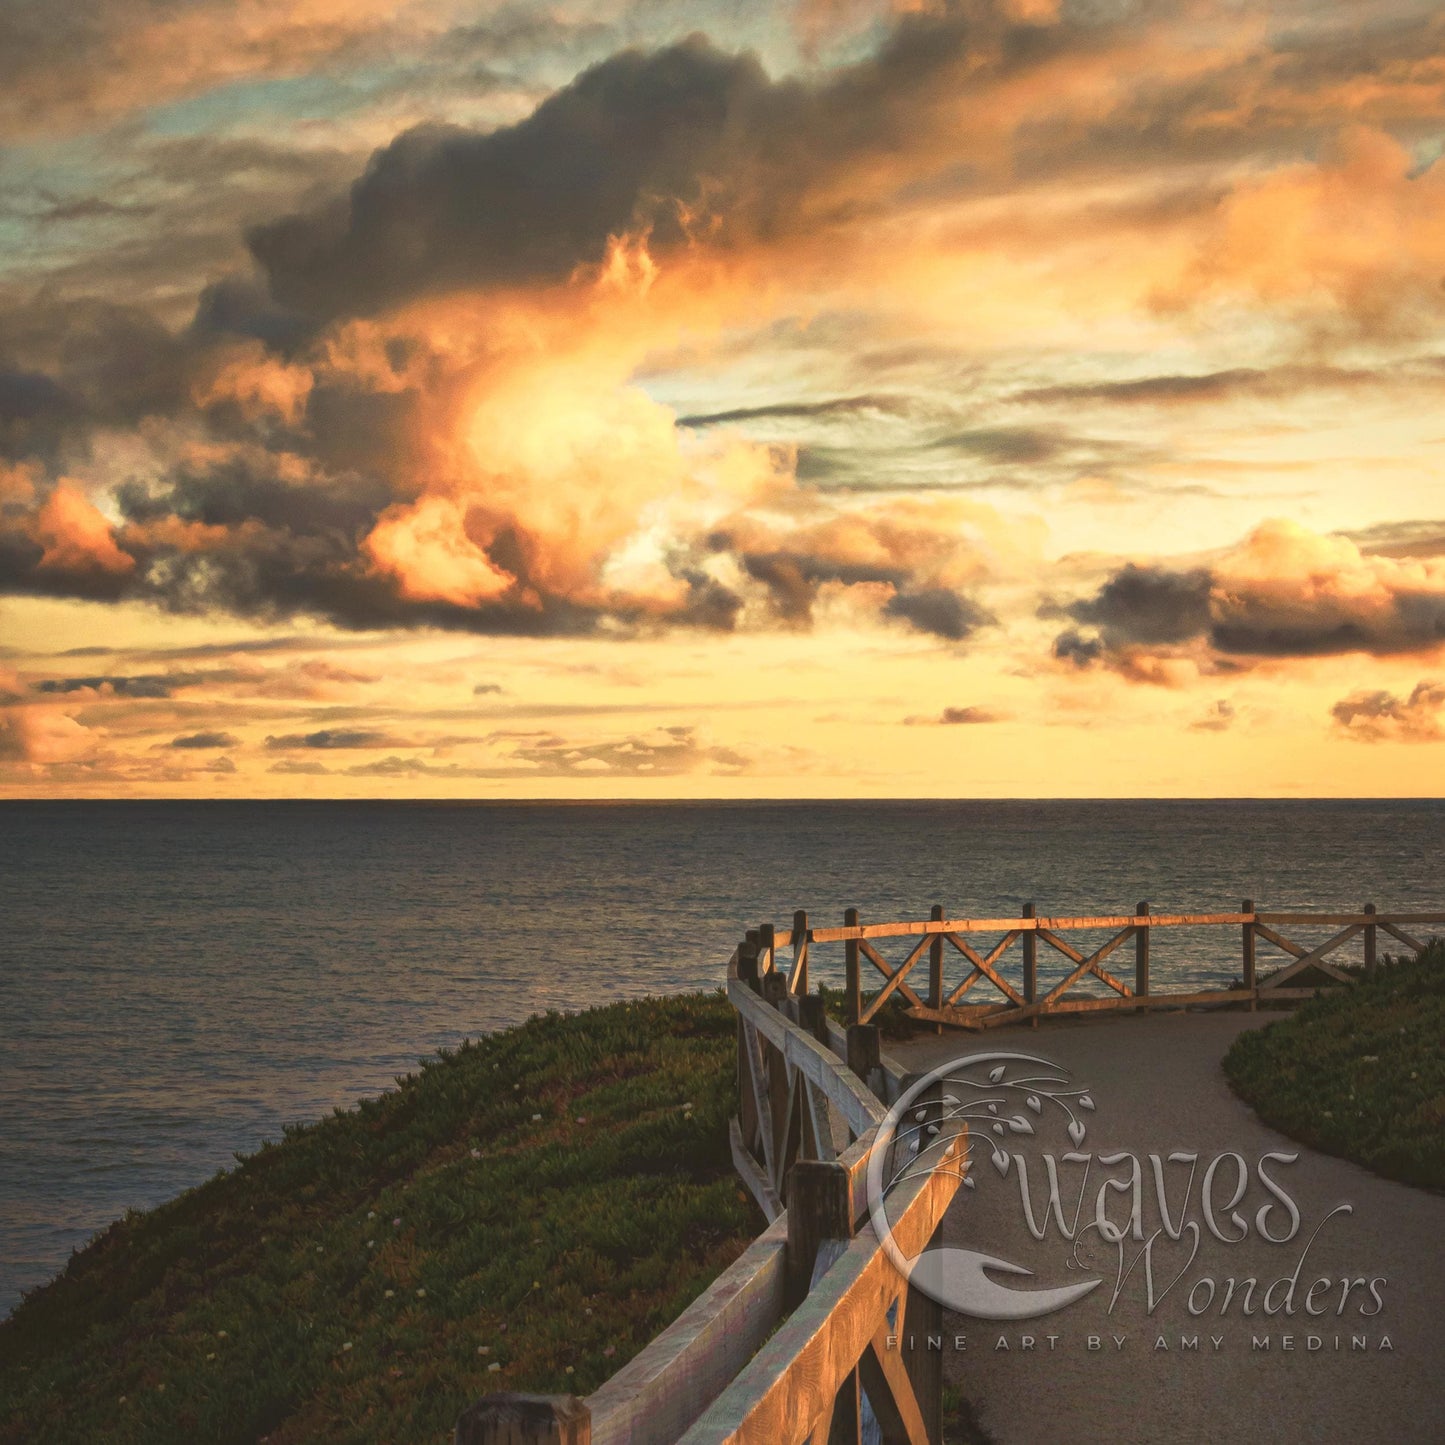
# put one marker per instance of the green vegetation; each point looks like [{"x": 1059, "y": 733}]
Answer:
[
  {"x": 1359, "y": 1071},
  {"x": 524, "y": 1213}
]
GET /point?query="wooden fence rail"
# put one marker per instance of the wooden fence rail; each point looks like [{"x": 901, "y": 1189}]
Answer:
[
  {"x": 1018, "y": 999},
  {"x": 791, "y": 1344}
]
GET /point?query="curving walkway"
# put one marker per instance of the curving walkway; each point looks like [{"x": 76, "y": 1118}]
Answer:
[{"x": 1159, "y": 1088}]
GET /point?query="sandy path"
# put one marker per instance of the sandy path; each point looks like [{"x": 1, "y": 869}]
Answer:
[{"x": 1159, "y": 1087}]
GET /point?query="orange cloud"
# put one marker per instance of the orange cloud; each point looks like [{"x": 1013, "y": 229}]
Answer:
[
  {"x": 1363, "y": 229},
  {"x": 76, "y": 535}
]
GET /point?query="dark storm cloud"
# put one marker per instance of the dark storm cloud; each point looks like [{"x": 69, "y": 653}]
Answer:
[
  {"x": 939, "y": 611},
  {"x": 158, "y": 685},
  {"x": 1288, "y": 616},
  {"x": 204, "y": 741},
  {"x": 1073, "y": 646},
  {"x": 334, "y": 738},
  {"x": 1148, "y": 605},
  {"x": 799, "y": 410},
  {"x": 641, "y": 141},
  {"x": 793, "y": 580},
  {"x": 956, "y": 717}
]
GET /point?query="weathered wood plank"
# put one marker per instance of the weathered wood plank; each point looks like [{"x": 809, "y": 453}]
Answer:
[
  {"x": 790, "y": 1384},
  {"x": 1339, "y": 919},
  {"x": 1401, "y": 936},
  {"x": 1314, "y": 959},
  {"x": 887, "y": 969},
  {"x": 847, "y": 1094},
  {"x": 653, "y": 1398},
  {"x": 983, "y": 967},
  {"x": 1086, "y": 965},
  {"x": 895, "y": 978},
  {"x": 1062, "y": 924},
  {"x": 753, "y": 1175},
  {"x": 1286, "y": 945},
  {"x": 890, "y": 1392}
]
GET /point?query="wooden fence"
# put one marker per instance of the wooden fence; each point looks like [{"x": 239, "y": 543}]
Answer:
[
  {"x": 791, "y": 1344},
  {"x": 1019, "y": 997}
]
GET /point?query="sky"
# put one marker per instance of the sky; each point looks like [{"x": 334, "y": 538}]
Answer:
[{"x": 664, "y": 398}]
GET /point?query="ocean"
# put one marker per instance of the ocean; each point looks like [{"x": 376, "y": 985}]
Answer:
[{"x": 178, "y": 981}]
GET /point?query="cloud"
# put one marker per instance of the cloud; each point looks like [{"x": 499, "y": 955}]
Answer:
[
  {"x": 345, "y": 738},
  {"x": 152, "y": 685},
  {"x": 1220, "y": 717},
  {"x": 1283, "y": 592},
  {"x": 296, "y": 767},
  {"x": 798, "y": 410},
  {"x": 484, "y": 689},
  {"x": 681, "y": 143},
  {"x": 666, "y": 751},
  {"x": 957, "y": 717},
  {"x": 204, "y": 740},
  {"x": 96, "y": 60},
  {"x": 1380, "y": 717}
]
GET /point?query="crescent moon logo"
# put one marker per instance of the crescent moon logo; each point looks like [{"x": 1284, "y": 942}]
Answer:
[{"x": 960, "y": 1279}]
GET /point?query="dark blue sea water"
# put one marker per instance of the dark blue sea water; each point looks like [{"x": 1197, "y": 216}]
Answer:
[{"x": 179, "y": 980}]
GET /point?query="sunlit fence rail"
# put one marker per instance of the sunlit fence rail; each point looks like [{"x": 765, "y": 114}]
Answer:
[
  {"x": 795, "y": 1342},
  {"x": 980, "y": 973}
]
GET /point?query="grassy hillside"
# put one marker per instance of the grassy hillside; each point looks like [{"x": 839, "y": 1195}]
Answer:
[
  {"x": 524, "y": 1213},
  {"x": 1359, "y": 1071}
]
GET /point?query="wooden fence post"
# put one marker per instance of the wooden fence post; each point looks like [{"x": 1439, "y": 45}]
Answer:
[
  {"x": 935, "y": 966},
  {"x": 510, "y": 1419},
  {"x": 813, "y": 1017},
  {"x": 1370, "y": 928},
  {"x": 1248, "y": 942},
  {"x": 1030, "y": 942},
  {"x": 1141, "y": 954},
  {"x": 865, "y": 1055},
  {"x": 819, "y": 1200},
  {"x": 798, "y": 980},
  {"x": 748, "y": 964},
  {"x": 853, "y": 981}
]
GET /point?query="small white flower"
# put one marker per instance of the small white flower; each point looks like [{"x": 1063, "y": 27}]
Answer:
[
  {"x": 347, "y": 1345},
  {"x": 371, "y": 1214},
  {"x": 536, "y": 1118},
  {"x": 484, "y": 1349},
  {"x": 220, "y": 1334},
  {"x": 421, "y": 1294},
  {"x": 388, "y": 1294},
  {"x": 493, "y": 1367}
]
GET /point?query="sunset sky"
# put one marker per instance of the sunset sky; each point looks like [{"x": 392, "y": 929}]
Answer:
[{"x": 662, "y": 398}]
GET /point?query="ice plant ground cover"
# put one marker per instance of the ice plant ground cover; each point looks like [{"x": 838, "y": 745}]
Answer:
[
  {"x": 523, "y": 1213},
  {"x": 1359, "y": 1071}
]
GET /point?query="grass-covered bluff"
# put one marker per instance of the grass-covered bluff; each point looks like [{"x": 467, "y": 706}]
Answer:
[
  {"x": 523, "y": 1213},
  {"x": 1359, "y": 1071}
]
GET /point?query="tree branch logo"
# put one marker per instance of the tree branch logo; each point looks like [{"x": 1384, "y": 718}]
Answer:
[{"x": 1115, "y": 1222}]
